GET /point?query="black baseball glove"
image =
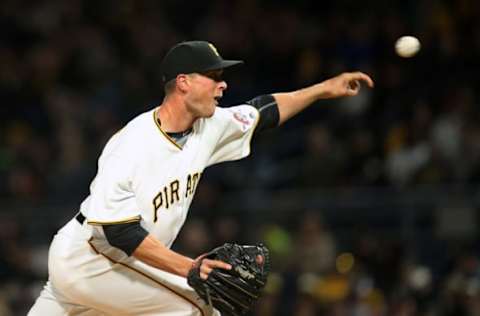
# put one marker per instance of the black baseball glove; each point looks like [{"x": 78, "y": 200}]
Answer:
[{"x": 233, "y": 292}]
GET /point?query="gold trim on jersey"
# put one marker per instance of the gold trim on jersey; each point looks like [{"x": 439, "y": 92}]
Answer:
[
  {"x": 121, "y": 221},
  {"x": 155, "y": 119},
  {"x": 146, "y": 276}
]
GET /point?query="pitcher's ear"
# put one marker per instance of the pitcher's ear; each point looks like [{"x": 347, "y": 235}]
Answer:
[{"x": 183, "y": 82}]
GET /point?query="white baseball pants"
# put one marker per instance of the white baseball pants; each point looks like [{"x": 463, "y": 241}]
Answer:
[{"x": 84, "y": 282}]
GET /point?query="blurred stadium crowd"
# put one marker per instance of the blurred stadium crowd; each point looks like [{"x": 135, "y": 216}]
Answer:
[{"x": 73, "y": 72}]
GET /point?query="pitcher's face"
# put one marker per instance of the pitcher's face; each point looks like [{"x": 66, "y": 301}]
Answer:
[{"x": 206, "y": 91}]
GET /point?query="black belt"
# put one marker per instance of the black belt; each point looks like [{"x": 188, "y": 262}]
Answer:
[{"x": 80, "y": 218}]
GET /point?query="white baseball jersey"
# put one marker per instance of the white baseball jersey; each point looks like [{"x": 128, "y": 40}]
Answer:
[{"x": 143, "y": 175}]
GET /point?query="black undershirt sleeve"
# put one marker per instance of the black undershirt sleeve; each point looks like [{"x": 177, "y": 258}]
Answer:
[
  {"x": 268, "y": 108},
  {"x": 126, "y": 237}
]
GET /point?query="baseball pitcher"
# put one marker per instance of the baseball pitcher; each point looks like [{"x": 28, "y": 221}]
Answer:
[{"x": 113, "y": 257}]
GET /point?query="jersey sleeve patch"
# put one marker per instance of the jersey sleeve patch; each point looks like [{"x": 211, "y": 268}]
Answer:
[{"x": 244, "y": 117}]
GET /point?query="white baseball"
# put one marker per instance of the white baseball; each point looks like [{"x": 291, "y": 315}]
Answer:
[{"x": 407, "y": 46}]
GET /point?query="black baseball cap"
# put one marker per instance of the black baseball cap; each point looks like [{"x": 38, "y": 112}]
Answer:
[{"x": 193, "y": 56}]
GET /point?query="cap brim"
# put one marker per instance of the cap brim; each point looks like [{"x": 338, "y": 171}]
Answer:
[{"x": 225, "y": 64}]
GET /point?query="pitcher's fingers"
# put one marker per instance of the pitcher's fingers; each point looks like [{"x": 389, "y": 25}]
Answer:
[
  {"x": 205, "y": 270},
  {"x": 203, "y": 276},
  {"x": 221, "y": 265},
  {"x": 354, "y": 85},
  {"x": 364, "y": 77},
  {"x": 217, "y": 264}
]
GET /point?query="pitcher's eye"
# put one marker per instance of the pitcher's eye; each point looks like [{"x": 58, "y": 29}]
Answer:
[{"x": 215, "y": 75}]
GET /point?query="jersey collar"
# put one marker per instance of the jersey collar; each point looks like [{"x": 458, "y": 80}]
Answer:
[{"x": 165, "y": 134}]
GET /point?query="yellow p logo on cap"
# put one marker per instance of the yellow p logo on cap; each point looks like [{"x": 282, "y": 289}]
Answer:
[{"x": 214, "y": 49}]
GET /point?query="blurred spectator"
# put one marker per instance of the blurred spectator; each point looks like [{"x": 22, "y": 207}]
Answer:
[
  {"x": 14, "y": 256},
  {"x": 279, "y": 242},
  {"x": 226, "y": 229},
  {"x": 315, "y": 248},
  {"x": 195, "y": 239},
  {"x": 461, "y": 292},
  {"x": 321, "y": 165}
]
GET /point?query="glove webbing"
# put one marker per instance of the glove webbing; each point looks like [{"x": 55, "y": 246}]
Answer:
[
  {"x": 222, "y": 292},
  {"x": 233, "y": 284},
  {"x": 210, "y": 298},
  {"x": 231, "y": 309}
]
